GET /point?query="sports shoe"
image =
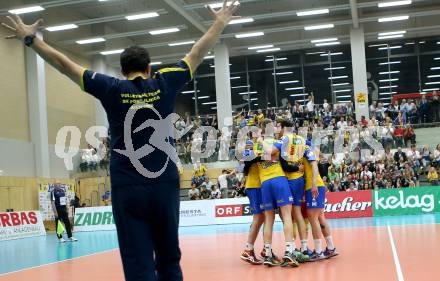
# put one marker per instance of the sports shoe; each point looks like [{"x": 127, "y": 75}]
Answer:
[
  {"x": 249, "y": 257},
  {"x": 330, "y": 253},
  {"x": 263, "y": 256},
  {"x": 289, "y": 260},
  {"x": 301, "y": 257},
  {"x": 317, "y": 257},
  {"x": 72, "y": 239},
  {"x": 61, "y": 240}
]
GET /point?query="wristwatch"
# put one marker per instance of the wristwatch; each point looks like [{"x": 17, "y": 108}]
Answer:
[{"x": 29, "y": 40}]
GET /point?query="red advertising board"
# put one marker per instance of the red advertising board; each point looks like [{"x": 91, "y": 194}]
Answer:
[{"x": 352, "y": 204}]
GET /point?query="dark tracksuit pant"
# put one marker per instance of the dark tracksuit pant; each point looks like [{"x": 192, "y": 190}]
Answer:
[
  {"x": 147, "y": 221},
  {"x": 63, "y": 216}
]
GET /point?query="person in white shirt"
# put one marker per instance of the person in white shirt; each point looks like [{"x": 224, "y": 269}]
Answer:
[
  {"x": 325, "y": 104},
  {"x": 223, "y": 183},
  {"x": 194, "y": 193},
  {"x": 367, "y": 172},
  {"x": 207, "y": 184},
  {"x": 310, "y": 104},
  {"x": 216, "y": 194},
  {"x": 414, "y": 155},
  {"x": 341, "y": 124}
]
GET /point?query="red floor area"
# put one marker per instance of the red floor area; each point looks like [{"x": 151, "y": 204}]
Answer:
[{"x": 366, "y": 255}]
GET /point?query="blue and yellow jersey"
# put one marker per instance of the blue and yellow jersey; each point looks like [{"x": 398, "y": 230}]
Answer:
[
  {"x": 253, "y": 177},
  {"x": 308, "y": 176},
  {"x": 270, "y": 169},
  {"x": 295, "y": 148}
]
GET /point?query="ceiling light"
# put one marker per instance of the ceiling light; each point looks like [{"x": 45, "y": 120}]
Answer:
[
  {"x": 61, "y": 27},
  {"x": 390, "y": 62},
  {"x": 112, "y": 52},
  {"x": 181, "y": 43},
  {"x": 389, "y": 80},
  {"x": 243, "y": 20},
  {"x": 431, "y": 90},
  {"x": 220, "y": 4},
  {"x": 289, "y": 82},
  {"x": 393, "y": 3},
  {"x": 437, "y": 58},
  {"x": 207, "y": 103},
  {"x": 434, "y": 76},
  {"x": 90, "y": 41},
  {"x": 26, "y": 10},
  {"x": 284, "y": 73},
  {"x": 294, "y": 88},
  {"x": 315, "y": 53},
  {"x": 324, "y": 40},
  {"x": 388, "y": 19},
  {"x": 392, "y": 33},
  {"x": 327, "y": 44},
  {"x": 338, "y": 77},
  {"x": 313, "y": 12},
  {"x": 164, "y": 31},
  {"x": 342, "y": 91},
  {"x": 390, "y": 93},
  {"x": 156, "y": 63},
  {"x": 278, "y": 59},
  {"x": 377, "y": 45},
  {"x": 201, "y": 98},
  {"x": 390, "y": 36},
  {"x": 247, "y": 93},
  {"x": 340, "y": 84},
  {"x": 260, "y": 47},
  {"x": 142, "y": 16},
  {"x": 331, "y": 54},
  {"x": 410, "y": 43},
  {"x": 254, "y": 99},
  {"x": 388, "y": 87},
  {"x": 335, "y": 68},
  {"x": 432, "y": 83},
  {"x": 209, "y": 57},
  {"x": 190, "y": 92},
  {"x": 298, "y": 95},
  {"x": 269, "y": 50},
  {"x": 236, "y": 77},
  {"x": 435, "y": 68},
  {"x": 391, "y": 48},
  {"x": 249, "y": 34},
  {"x": 239, "y": 87},
  {"x": 422, "y": 42},
  {"x": 321, "y": 26},
  {"x": 389, "y": 72}
]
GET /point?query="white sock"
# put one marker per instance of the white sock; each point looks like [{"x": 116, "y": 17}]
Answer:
[
  {"x": 318, "y": 245},
  {"x": 249, "y": 247},
  {"x": 290, "y": 247},
  {"x": 329, "y": 241},
  {"x": 268, "y": 250},
  {"x": 303, "y": 245}
]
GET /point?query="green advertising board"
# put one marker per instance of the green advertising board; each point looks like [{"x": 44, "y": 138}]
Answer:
[{"x": 408, "y": 201}]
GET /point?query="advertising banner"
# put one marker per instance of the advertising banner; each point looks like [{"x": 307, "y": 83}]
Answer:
[
  {"x": 15, "y": 225},
  {"x": 409, "y": 201},
  {"x": 197, "y": 212},
  {"x": 353, "y": 204},
  {"x": 93, "y": 219}
]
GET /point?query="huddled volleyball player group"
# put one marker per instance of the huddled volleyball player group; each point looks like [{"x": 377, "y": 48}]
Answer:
[{"x": 282, "y": 174}]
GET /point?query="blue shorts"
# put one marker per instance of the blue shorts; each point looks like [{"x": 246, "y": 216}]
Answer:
[
  {"x": 297, "y": 190},
  {"x": 276, "y": 193},
  {"x": 315, "y": 203},
  {"x": 255, "y": 200}
]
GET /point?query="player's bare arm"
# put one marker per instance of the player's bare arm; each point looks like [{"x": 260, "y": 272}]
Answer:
[
  {"x": 55, "y": 58},
  {"x": 207, "y": 42}
]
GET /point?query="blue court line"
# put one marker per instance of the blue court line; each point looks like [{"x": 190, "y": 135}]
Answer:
[{"x": 21, "y": 254}]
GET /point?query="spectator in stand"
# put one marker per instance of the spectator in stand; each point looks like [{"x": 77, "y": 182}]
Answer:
[
  {"x": 199, "y": 174},
  {"x": 325, "y": 104},
  {"x": 364, "y": 121},
  {"x": 399, "y": 154},
  {"x": 424, "y": 109},
  {"x": 433, "y": 176},
  {"x": 310, "y": 103},
  {"x": 205, "y": 193},
  {"x": 193, "y": 193},
  {"x": 223, "y": 183},
  {"x": 409, "y": 135},
  {"x": 366, "y": 172},
  {"x": 398, "y": 135},
  {"x": 207, "y": 184},
  {"x": 414, "y": 156},
  {"x": 373, "y": 107},
  {"x": 435, "y": 107},
  {"x": 216, "y": 194},
  {"x": 436, "y": 156}
]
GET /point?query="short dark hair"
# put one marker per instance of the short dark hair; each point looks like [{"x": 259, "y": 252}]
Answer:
[{"x": 134, "y": 59}]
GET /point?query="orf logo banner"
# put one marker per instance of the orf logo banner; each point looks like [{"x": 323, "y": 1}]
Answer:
[
  {"x": 24, "y": 224},
  {"x": 409, "y": 201}
]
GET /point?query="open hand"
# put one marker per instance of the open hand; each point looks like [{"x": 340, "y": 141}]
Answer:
[
  {"x": 19, "y": 29},
  {"x": 226, "y": 13}
]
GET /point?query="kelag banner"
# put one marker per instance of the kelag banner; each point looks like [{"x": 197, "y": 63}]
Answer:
[{"x": 408, "y": 201}]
